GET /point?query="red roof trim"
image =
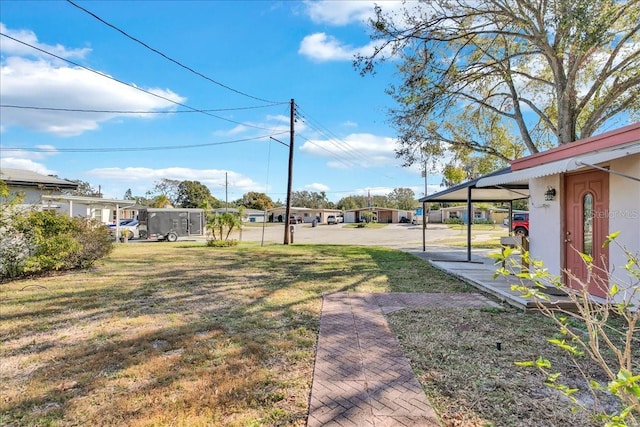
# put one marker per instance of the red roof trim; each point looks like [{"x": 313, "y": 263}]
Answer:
[{"x": 623, "y": 135}]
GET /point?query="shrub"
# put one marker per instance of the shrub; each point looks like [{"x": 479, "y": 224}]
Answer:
[
  {"x": 221, "y": 243},
  {"x": 453, "y": 221},
  {"x": 35, "y": 242},
  {"x": 603, "y": 329}
]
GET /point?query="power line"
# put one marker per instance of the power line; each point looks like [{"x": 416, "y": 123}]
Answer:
[
  {"x": 122, "y": 149},
  {"x": 81, "y": 110},
  {"x": 342, "y": 160},
  {"x": 124, "y": 33},
  {"x": 335, "y": 140},
  {"x": 130, "y": 85}
]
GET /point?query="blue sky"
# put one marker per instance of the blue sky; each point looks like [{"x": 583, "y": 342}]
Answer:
[{"x": 254, "y": 51}]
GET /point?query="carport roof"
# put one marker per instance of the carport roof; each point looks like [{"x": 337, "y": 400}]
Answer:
[{"x": 497, "y": 193}]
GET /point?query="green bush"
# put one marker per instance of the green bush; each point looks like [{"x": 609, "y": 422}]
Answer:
[
  {"x": 453, "y": 221},
  {"x": 47, "y": 241},
  {"x": 482, "y": 221},
  {"x": 221, "y": 243}
]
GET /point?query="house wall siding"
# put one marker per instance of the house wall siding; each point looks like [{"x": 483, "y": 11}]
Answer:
[
  {"x": 624, "y": 212},
  {"x": 545, "y": 222}
]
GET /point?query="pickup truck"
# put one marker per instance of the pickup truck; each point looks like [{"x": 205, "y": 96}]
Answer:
[{"x": 520, "y": 224}]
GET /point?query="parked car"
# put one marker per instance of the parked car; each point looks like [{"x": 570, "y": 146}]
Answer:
[
  {"x": 332, "y": 219},
  {"x": 520, "y": 224},
  {"x": 130, "y": 225},
  {"x": 404, "y": 220},
  {"x": 295, "y": 219}
]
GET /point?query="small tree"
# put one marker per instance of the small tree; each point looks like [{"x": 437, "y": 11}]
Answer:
[
  {"x": 220, "y": 226},
  {"x": 605, "y": 330}
]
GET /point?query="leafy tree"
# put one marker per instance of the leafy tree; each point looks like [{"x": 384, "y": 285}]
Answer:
[
  {"x": 255, "y": 200},
  {"x": 128, "y": 195},
  {"x": 166, "y": 187},
  {"x": 193, "y": 194},
  {"x": 452, "y": 175},
  {"x": 84, "y": 189},
  {"x": 380, "y": 201},
  {"x": 222, "y": 224},
  {"x": 310, "y": 199},
  {"x": 475, "y": 71},
  {"x": 402, "y": 198},
  {"x": 161, "y": 201},
  {"x": 352, "y": 202}
]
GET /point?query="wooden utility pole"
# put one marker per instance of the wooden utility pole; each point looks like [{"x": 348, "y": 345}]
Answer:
[{"x": 287, "y": 213}]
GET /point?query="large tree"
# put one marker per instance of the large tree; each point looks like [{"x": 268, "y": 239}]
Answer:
[
  {"x": 402, "y": 198},
  {"x": 501, "y": 77},
  {"x": 167, "y": 188},
  {"x": 194, "y": 194},
  {"x": 255, "y": 200},
  {"x": 84, "y": 189},
  {"x": 311, "y": 199}
]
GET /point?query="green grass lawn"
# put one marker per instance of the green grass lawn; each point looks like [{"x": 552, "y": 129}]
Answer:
[{"x": 184, "y": 335}]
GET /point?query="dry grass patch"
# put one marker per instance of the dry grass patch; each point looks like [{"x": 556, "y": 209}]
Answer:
[
  {"x": 181, "y": 334},
  {"x": 472, "y": 383}
]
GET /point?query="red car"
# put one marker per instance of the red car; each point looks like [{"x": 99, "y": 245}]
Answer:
[{"x": 520, "y": 224}]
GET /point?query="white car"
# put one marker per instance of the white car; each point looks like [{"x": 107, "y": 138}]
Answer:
[{"x": 131, "y": 225}]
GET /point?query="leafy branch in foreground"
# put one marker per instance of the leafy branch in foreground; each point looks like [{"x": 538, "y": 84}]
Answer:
[{"x": 604, "y": 329}]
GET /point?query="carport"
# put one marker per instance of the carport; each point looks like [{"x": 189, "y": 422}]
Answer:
[
  {"x": 468, "y": 193},
  {"x": 115, "y": 204}
]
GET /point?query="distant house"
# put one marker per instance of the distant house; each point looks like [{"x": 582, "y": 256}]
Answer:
[
  {"x": 580, "y": 193},
  {"x": 248, "y": 215},
  {"x": 460, "y": 212},
  {"x": 32, "y": 185},
  {"x": 307, "y": 214},
  {"x": 382, "y": 215}
]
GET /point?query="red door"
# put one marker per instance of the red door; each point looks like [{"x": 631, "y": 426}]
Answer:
[{"x": 587, "y": 226}]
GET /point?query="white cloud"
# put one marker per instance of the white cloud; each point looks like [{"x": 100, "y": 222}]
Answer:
[
  {"x": 316, "y": 186},
  {"x": 28, "y": 160},
  {"x": 346, "y": 12},
  {"x": 41, "y": 82},
  {"x": 26, "y": 164},
  {"x": 11, "y": 47},
  {"x": 362, "y": 150},
  {"x": 322, "y": 47}
]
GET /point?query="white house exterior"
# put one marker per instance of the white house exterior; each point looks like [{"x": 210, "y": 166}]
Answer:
[
  {"x": 579, "y": 194},
  {"x": 32, "y": 185}
]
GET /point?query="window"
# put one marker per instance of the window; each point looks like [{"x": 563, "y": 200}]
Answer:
[{"x": 587, "y": 226}]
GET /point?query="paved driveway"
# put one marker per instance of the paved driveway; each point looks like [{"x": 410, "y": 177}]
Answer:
[{"x": 392, "y": 235}]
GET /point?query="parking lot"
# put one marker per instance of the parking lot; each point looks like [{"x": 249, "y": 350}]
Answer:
[{"x": 392, "y": 235}]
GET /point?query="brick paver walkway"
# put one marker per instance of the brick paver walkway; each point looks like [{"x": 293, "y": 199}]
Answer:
[{"x": 361, "y": 377}]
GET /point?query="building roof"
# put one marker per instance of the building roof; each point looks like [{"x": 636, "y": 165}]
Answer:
[
  {"x": 592, "y": 151},
  {"x": 600, "y": 143},
  {"x": 469, "y": 190},
  {"x": 90, "y": 201},
  {"x": 26, "y": 178}
]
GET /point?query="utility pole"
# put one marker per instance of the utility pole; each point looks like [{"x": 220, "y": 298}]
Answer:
[
  {"x": 226, "y": 193},
  {"x": 287, "y": 213}
]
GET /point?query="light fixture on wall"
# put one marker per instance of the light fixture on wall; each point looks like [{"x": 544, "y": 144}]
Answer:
[{"x": 550, "y": 194}]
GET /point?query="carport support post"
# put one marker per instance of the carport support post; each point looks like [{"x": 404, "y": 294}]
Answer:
[
  {"x": 424, "y": 226},
  {"x": 469, "y": 220},
  {"x": 510, "y": 217}
]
